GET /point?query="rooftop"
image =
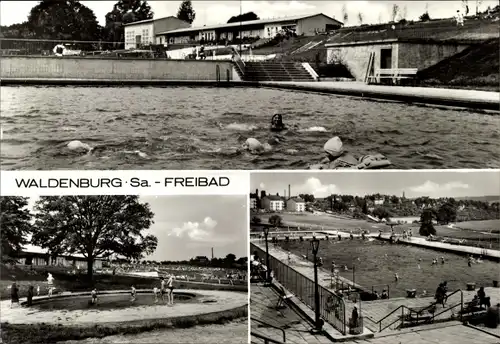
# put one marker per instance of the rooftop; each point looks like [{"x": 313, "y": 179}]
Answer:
[
  {"x": 474, "y": 30},
  {"x": 249, "y": 23},
  {"x": 147, "y": 21},
  {"x": 297, "y": 199},
  {"x": 274, "y": 198}
]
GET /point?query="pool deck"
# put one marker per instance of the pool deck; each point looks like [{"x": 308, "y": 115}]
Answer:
[
  {"x": 427, "y": 95},
  {"x": 373, "y": 311},
  {"x": 224, "y": 301},
  {"x": 441, "y": 246}
]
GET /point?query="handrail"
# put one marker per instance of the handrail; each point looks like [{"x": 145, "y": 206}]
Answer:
[
  {"x": 266, "y": 339},
  {"x": 269, "y": 325},
  {"x": 239, "y": 62},
  {"x": 402, "y": 312},
  {"x": 380, "y": 321}
]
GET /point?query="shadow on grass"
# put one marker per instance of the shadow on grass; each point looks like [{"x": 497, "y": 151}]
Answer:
[{"x": 48, "y": 333}]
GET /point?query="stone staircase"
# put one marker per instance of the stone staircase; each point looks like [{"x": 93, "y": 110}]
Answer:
[{"x": 276, "y": 71}]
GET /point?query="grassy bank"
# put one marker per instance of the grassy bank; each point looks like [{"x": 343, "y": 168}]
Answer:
[{"x": 46, "y": 333}]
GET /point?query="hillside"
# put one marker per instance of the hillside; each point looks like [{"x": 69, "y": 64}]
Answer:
[{"x": 475, "y": 66}]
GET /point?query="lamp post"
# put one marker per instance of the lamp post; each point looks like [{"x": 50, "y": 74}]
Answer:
[
  {"x": 317, "y": 320},
  {"x": 268, "y": 270}
]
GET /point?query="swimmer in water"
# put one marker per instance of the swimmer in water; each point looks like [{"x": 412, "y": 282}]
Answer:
[
  {"x": 277, "y": 122},
  {"x": 442, "y": 260},
  {"x": 94, "y": 296},
  {"x": 396, "y": 277}
]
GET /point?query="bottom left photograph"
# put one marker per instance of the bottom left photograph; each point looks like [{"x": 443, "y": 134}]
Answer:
[{"x": 123, "y": 269}]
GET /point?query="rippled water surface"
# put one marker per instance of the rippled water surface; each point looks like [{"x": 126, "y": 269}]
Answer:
[
  {"x": 204, "y": 128},
  {"x": 375, "y": 264}
]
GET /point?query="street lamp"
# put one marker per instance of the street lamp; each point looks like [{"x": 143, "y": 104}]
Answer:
[
  {"x": 317, "y": 320},
  {"x": 268, "y": 270}
]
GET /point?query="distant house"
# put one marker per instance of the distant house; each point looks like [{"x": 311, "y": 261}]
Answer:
[
  {"x": 273, "y": 203},
  {"x": 378, "y": 202},
  {"x": 145, "y": 32},
  {"x": 201, "y": 259},
  {"x": 296, "y": 204},
  {"x": 37, "y": 256},
  {"x": 395, "y": 45}
]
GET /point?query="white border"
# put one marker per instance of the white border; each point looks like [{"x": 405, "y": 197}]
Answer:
[{"x": 154, "y": 183}]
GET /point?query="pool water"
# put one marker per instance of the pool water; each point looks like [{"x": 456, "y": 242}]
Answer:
[
  {"x": 108, "y": 301},
  {"x": 376, "y": 263},
  {"x": 205, "y": 128}
]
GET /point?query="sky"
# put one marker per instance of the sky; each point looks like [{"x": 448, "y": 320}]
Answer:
[
  {"x": 189, "y": 226},
  {"x": 412, "y": 183},
  {"x": 217, "y": 12}
]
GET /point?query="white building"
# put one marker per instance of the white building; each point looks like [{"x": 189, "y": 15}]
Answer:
[
  {"x": 308, "y": 25},
  {"x": 273, "y": 203},
  {"x": 145, "y": 32},
  {"x": 296, "y": 204},
  {"x": 36, "y": 256}
]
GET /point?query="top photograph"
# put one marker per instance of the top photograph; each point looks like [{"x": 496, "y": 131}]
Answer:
[{"x": 249, "y": 85}]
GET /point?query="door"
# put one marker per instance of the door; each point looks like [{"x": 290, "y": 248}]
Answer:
[
  {"x": 386, "y": 58},
  {"x": 138, "y": 41}
]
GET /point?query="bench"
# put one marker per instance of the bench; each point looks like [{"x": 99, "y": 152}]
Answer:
[
  {"x": 395, "y": 75},
  {"x": 283, "y": 297}
]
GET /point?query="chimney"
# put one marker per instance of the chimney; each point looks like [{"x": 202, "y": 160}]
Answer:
[
  {"x": 289, "y": 192},
  {"x": 212, "y": 253},
  {"x": 257, "y": 193},
  {"x": 262, "y": 194},
  {"x": 284, "y": 193}
]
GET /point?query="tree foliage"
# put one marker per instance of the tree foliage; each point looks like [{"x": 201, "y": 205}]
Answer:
[
  {"x": 94, "y": 226},
  {"x": 15, "y": 225},
  {"x": 255, "y": 220},
  {"x": 426, "y": 225},
  {"x": 381, "y": 213},
  {"x": 125, "y": 12},
  {"x": 186, "y": 12},
  {"x": 446, "y": 213},
  {"x": 424, "y": 17},
  {"x": 275, "y": 220},
  {"x": 243, "y": 17},
  {"x": 63, "y": 20}
]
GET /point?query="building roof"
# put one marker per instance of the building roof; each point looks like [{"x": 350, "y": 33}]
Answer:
[
  {"x": 38, "y": 250},
  {"x": 248, "y": 23},
  {"x": 274, "y": 198},
  {"x": 297, "y": 200},
  {"x": 148, "y": 21},
  {"x": 437, "y": 31}
]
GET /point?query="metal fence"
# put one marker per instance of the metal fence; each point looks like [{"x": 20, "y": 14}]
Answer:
[{"x": 332, "y": 306}]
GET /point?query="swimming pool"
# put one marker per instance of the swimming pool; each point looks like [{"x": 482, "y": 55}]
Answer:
[
  {"x": 376, "y": 263},
  {"x": 204, "y": 128}
]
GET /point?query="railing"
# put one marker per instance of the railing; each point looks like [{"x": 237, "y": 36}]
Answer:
[
  {"x": 332, "y": 306},
  {"x": 266, "y": 339},
  {"x": 272, "y": 326},
  {"x": 239, "y": 62},
  {"x": 403, "y": 308}
]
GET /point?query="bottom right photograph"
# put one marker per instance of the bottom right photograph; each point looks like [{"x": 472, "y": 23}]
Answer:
[{"x": 383, "y": 257}]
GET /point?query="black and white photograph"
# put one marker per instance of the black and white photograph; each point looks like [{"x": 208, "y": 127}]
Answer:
[
  {"x": 124, "y": 269},
  {"x": 169, "y": 85},
  {"x": 375, "y": 257}
]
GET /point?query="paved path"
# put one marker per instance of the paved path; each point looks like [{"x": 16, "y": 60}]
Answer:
[
  {"x": 447, "y": 247},
  {"x": 374, "y": 310},
  {"x": 450, "y": 333},
  {"x": 263, "y": 302},
  {"x": 224, "y": 300},
  {"x": 444, "y": 96}
]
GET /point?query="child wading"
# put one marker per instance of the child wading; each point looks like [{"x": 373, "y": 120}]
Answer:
[
  {"x": 133, "y": 294},
  {"x": 170, "y": 286}
]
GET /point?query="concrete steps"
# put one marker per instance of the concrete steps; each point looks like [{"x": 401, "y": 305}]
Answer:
[{"x": 276, "y": 71}]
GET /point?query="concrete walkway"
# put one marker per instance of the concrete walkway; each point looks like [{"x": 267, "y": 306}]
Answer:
[
  {"x": 429, "y": 95},
  {"x": 373, "y": 311},
  {"x": 422, "y": 242},
  {"x": 224, "y": 300}
]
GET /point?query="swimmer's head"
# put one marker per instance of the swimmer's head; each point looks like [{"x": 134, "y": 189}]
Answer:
[{"x": 334, "y": 148}]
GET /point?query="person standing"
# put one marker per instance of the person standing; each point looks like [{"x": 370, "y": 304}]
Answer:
[
  {"x": 31, "y": 291},
  {"x": 14, "y": 295},
  {"x": 170, "y": 286},
  {"x": 163, "y": 290}
]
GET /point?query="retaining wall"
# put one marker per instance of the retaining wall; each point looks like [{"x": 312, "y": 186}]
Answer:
[{"x": 39, "y": 67}]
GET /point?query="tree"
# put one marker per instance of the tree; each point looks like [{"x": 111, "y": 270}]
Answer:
[
  {"x": 426, "y": 226},
  {"x": 63, "y": 20},
  {"x": 230, "y": 259},
  {"x": 94, "y": 226},
  {"x": 125, "y": 12},
  {"x": 446, "y": 213},
  {"x": 365, "y": 208},
  {"x": 255, "y": 220},
  {"x": 14, "y": 225},
  {"x": 275, "y": 220},
  {"x": 381, "y": 213},
  {"x": 186, "y": 12},
  {"x": 345, "y": 15},
  {"x": 243, "y": 17},
  {"x": 360, "y": 18},
  {"x": 394, "y": 12},
  {"x": 424, "y": 17}
]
